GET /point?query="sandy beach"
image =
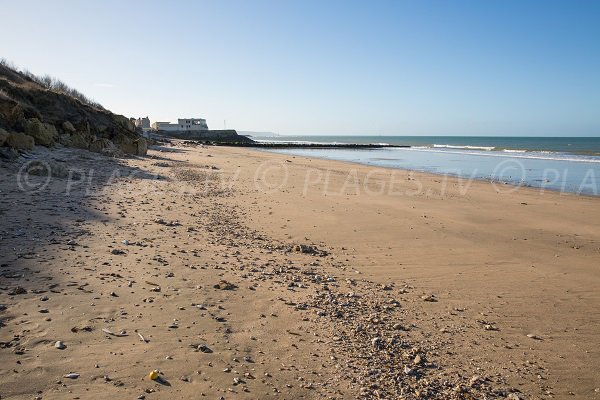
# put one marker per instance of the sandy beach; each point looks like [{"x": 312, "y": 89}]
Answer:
[{"x": 244, "y": 274}]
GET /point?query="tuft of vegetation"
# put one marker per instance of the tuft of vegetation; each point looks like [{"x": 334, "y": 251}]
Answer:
[{"x": 53, "y": 84}]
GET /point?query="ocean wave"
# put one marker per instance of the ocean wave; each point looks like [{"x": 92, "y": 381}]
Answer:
[
  {"x": 537, "y": 155},
  {"x": 514, "y": 151},
  {"x": 293, "y": 142},
  {"x": 452, "y": 146}
]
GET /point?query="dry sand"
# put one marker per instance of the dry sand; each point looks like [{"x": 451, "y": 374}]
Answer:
[{"x": 256, "y": 275}]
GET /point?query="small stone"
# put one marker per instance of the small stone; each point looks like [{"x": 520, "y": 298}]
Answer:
[
  {"x": 204, "y": 348},
  {"x": 475, "y": 379},
  {"x": 225, "y": 285},
  {"x": 60, "y": 345},
  {"x": 534, "y": 337},
  {"x": 17, "y": 290}
]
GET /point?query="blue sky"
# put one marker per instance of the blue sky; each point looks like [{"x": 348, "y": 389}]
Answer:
[{"x": 492, "y": 67}]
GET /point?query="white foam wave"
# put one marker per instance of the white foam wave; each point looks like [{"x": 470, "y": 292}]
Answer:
[
  {"x": 538, "y": 155},
  {"x": 292, "y": 142},
  {"x": 452, "y": 146}
]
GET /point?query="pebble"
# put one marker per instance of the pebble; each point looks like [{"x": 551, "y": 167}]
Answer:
[
  {"x": 204, "y": 348},
  {"x": 60, "y": 345},
  {"x": 376, "y": 342}
]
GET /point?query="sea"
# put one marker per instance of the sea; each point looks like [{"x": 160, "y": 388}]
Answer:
[{"x": 564, "y": 164}]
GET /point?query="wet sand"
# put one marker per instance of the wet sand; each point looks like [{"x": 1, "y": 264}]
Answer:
[{"x": 255, "y": 275}]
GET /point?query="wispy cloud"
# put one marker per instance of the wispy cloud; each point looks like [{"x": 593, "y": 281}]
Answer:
[{"x": 104, "y": 85}]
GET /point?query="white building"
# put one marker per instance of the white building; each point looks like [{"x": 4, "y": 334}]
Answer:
[
  {"x": 143, "y": 123},
  {"x": 183, "y": 124}
]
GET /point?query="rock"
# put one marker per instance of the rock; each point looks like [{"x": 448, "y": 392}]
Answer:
[
  {"x": 60, "y": 345},
  {"x": 534, "y": 337},
  {"x": 430, "y": 298},
  {"x": 123, "y": 122},
  {"x": 475, "y": 379},
  {"x": 43, "y": 133},
  {"x": 8, "y": 153},
  {"x": 312, "y": 250},
  {"x": 513, "y": 396},
  {"x": 376, "y": 342},
  {"x": 137, "y": 147},
  {"x": 106, "y": 147},
  {"x": 166, "y": 223},
  {"x": 68, "y": 127},
  {"x": 224, "y": 285},
  {"x": 204, "y": 348},
  {"x": 47, "y": 168},
  {"x": 117, "y": 252},
  {"x": 3, "y": 136},
  {"x": 417, "y": 360},
  {"x": 17, "y": 290},
  {"x": 20, "y": 141},
  {"x": 77, "y": 140},
  {"x": 399, "y": 327}
]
